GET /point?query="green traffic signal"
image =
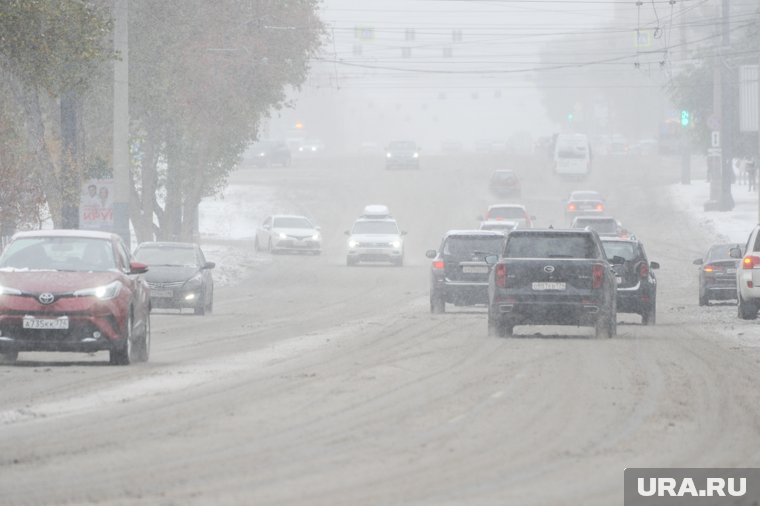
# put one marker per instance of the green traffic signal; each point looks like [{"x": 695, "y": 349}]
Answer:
[{"x": 685, "y": 118}]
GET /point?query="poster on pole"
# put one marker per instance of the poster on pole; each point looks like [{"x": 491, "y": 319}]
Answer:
[{"x": 96, "y": 205}]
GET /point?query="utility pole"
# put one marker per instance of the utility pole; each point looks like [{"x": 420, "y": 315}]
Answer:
[
  {"x": 684, "y": 138},
  {"x": 70, "y": 171},
  {"x": 122, "y": 182},
  {"x": 726, "y": 200}
]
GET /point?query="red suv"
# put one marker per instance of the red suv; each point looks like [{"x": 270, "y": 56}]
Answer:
[{"x": 75, "y": 291}]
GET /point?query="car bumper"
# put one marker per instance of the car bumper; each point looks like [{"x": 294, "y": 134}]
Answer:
[
  {"x": 375, "y": 254},
  {"x": 84, "y": 334},
  {"x": 461, "y": 294},
  {"x": 400, "y": 164},
  {"x": 748, "y": 284},
  {"x": 296, "y": 245},
  {"x": 548, "y": 313}
]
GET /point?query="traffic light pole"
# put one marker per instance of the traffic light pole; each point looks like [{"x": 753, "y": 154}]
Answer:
[{"x": 726, "y": 200}]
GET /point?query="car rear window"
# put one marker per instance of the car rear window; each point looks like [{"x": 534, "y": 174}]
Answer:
[
  {"x": 547, "y": 245},
  {"x": 166, "y": 256},
  {"x": 506, "y": 212},
  {"x": 601, "y": 226},
  {"x": 627, "y": 250},
  {"x": 466, "y": 247},
  {"x": 721, "y": 251}
]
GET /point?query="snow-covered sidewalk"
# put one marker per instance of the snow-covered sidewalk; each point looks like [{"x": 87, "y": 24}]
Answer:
[{"x": 730, "y": 226}]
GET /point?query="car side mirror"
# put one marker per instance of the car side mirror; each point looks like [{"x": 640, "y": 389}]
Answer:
[
  {"x": 735, "y": 252},
  {"x": 403, "y": 232},
  {"x": 431, "y": 253},
  {"x": 618, "y": 260},
  {"x": 318, "y": 228},
  {"x": 532, "y": 217},
  {"x": 266, "y": 227},
  {"x": 347, "y": 232},
  {"x": 480, "y": 218},
  {"x": 654, "y": 265},
  {"x": 698, "y": 261},
  {"x": 137, "y": 268},
  {"x": 492, "y": 259},
  {"x": 209, "y": 265}
]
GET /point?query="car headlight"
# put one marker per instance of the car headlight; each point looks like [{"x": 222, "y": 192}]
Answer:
[
  {"x": 4, "y": 290},
  {"x": 313, "y": 148},
  {"x": 416, "y": 155},
  {"x": 352, "y": 243},
  {"x": 282, "y": 235},
  {"x": 300, "y": 148},
  {"x": 396, "y": 244},
  {"x": 104, "y": 292},
  {"x": 388, "y": 155},
  {"x": 315, "y": 237},
  {"x": 262, "y": 154}
]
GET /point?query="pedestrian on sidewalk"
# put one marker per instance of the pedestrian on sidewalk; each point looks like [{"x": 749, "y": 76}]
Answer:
[{"x": 751, "y": 169}]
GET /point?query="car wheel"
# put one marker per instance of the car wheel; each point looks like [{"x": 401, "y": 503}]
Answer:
[
  {"x": 704, "y": 300},
  {"x": 606, "y": 327},
  {"x": 122, "y": 353},
  {"x": 210, "y": 305},
  {"x": 142, "y": 346},
  {"x": 8, "y": 357},
  {"x": 200, "y": 306},
  {"x": 497, "y": 327},
  {"x": 650, "y": 316},
  {"x": 746, "y": 310},
  {"x": 437, "y": 304}
]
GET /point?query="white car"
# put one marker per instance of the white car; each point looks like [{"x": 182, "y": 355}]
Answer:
[
  {"x": 509, "y": 212},
  {"x": 375, "y": 239},
  {"x": 748, "y": 276},
  {"x": 503, "y": 226},
  {"x": 288, "y": 232}
]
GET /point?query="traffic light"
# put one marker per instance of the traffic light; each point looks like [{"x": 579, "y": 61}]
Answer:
[
  {"x": 684, "y": 118},
  {"x": 569, "y": 117}
]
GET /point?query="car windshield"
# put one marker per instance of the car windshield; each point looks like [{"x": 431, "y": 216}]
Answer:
[
  {"x": 166, "y": 256},
  {"x": 498, "y": 226},
  {"x": 292, "y": 222},
  {"x": 626, "y": 250},
  {"x": 503, "y": 176},
  {"x": 585, "y": 196},
  {"x": 506, "y": 212},
  {"x": 601, "y": 226},
  {"x": 546, "y": 245},
  {"x": 402, "y": 146},
  {"x": 60, "y": 254},
  {"x": 375, "y": 227},
  {"x": 467, "y": 247}
]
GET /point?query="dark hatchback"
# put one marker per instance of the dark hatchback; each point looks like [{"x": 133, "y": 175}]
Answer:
[
  {"x": 459, "y": 272},
  {"x": 717, "y": 273},
  {"x": 636, "y": 282},
  {"x": 179, "y": 276},
  {"x": 504, "y": 183}
]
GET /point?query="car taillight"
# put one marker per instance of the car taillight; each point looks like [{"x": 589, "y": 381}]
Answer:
[
  {"x": 597, "y": 276},
  {"x": 500, "y": 271},
  {"x": 712, "y": 268},
  {"x": 439, "y": 265},
  {"x": 600, "y": 207},
  {"x": 750, "y": 262},
  {"x": 571, "y": 207},
  {"x": 643, "y": 270}
]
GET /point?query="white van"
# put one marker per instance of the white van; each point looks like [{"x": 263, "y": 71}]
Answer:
[{"x": 572, "y": 155}]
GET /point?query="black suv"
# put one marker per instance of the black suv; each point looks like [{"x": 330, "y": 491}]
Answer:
[
  {"x": 636, "y": 283},
  {"x": 459, "y": 272}
]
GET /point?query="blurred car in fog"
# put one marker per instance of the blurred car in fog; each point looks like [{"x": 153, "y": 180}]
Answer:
[
  {"x": 504, "y": 183},
  {"x": 748, "y": 276},
  {"x": 645, "y": 147},
  {"x": 402, "y": 155},
  {"x": 603, "y": 225},
  {"x": 510, "y": 212},
  {"x": 73, "y": 291},
  {"x": 584, "y": 202},
  {"x": 636, "y": 282},
  {"x": 375, "y": 237},
  {"x": 503, "y": 226},
  {"x": 268, "y": 153},
  {"x": 459, "y": 272},
  {"x": 311, "y": 147},
  {"x": 717, "y": 273},
  {"x": 288, "y": 232},
  {"x": 451, "y": 146},
  {"x": 179, "y": 276}
]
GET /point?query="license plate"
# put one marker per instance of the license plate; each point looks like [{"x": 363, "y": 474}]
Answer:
[
  {"x": 162, "y": 293},
  {"x": 540, "y": 286},
  {"x": 61, "y": 323},
  {"x": 474, "y": 269},
  {"x": 730, "y": 271},
  {"x": 618, "y": 280}
]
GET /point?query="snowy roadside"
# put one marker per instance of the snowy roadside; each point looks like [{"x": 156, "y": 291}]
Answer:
[
  {"x": 227, "y": 224},
  {"x": 731, "y": 226}
]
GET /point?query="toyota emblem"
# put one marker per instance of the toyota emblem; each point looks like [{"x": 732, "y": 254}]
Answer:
[
  {"x": 46, "y": 298},
  {"x": 549, "y": 269}
]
